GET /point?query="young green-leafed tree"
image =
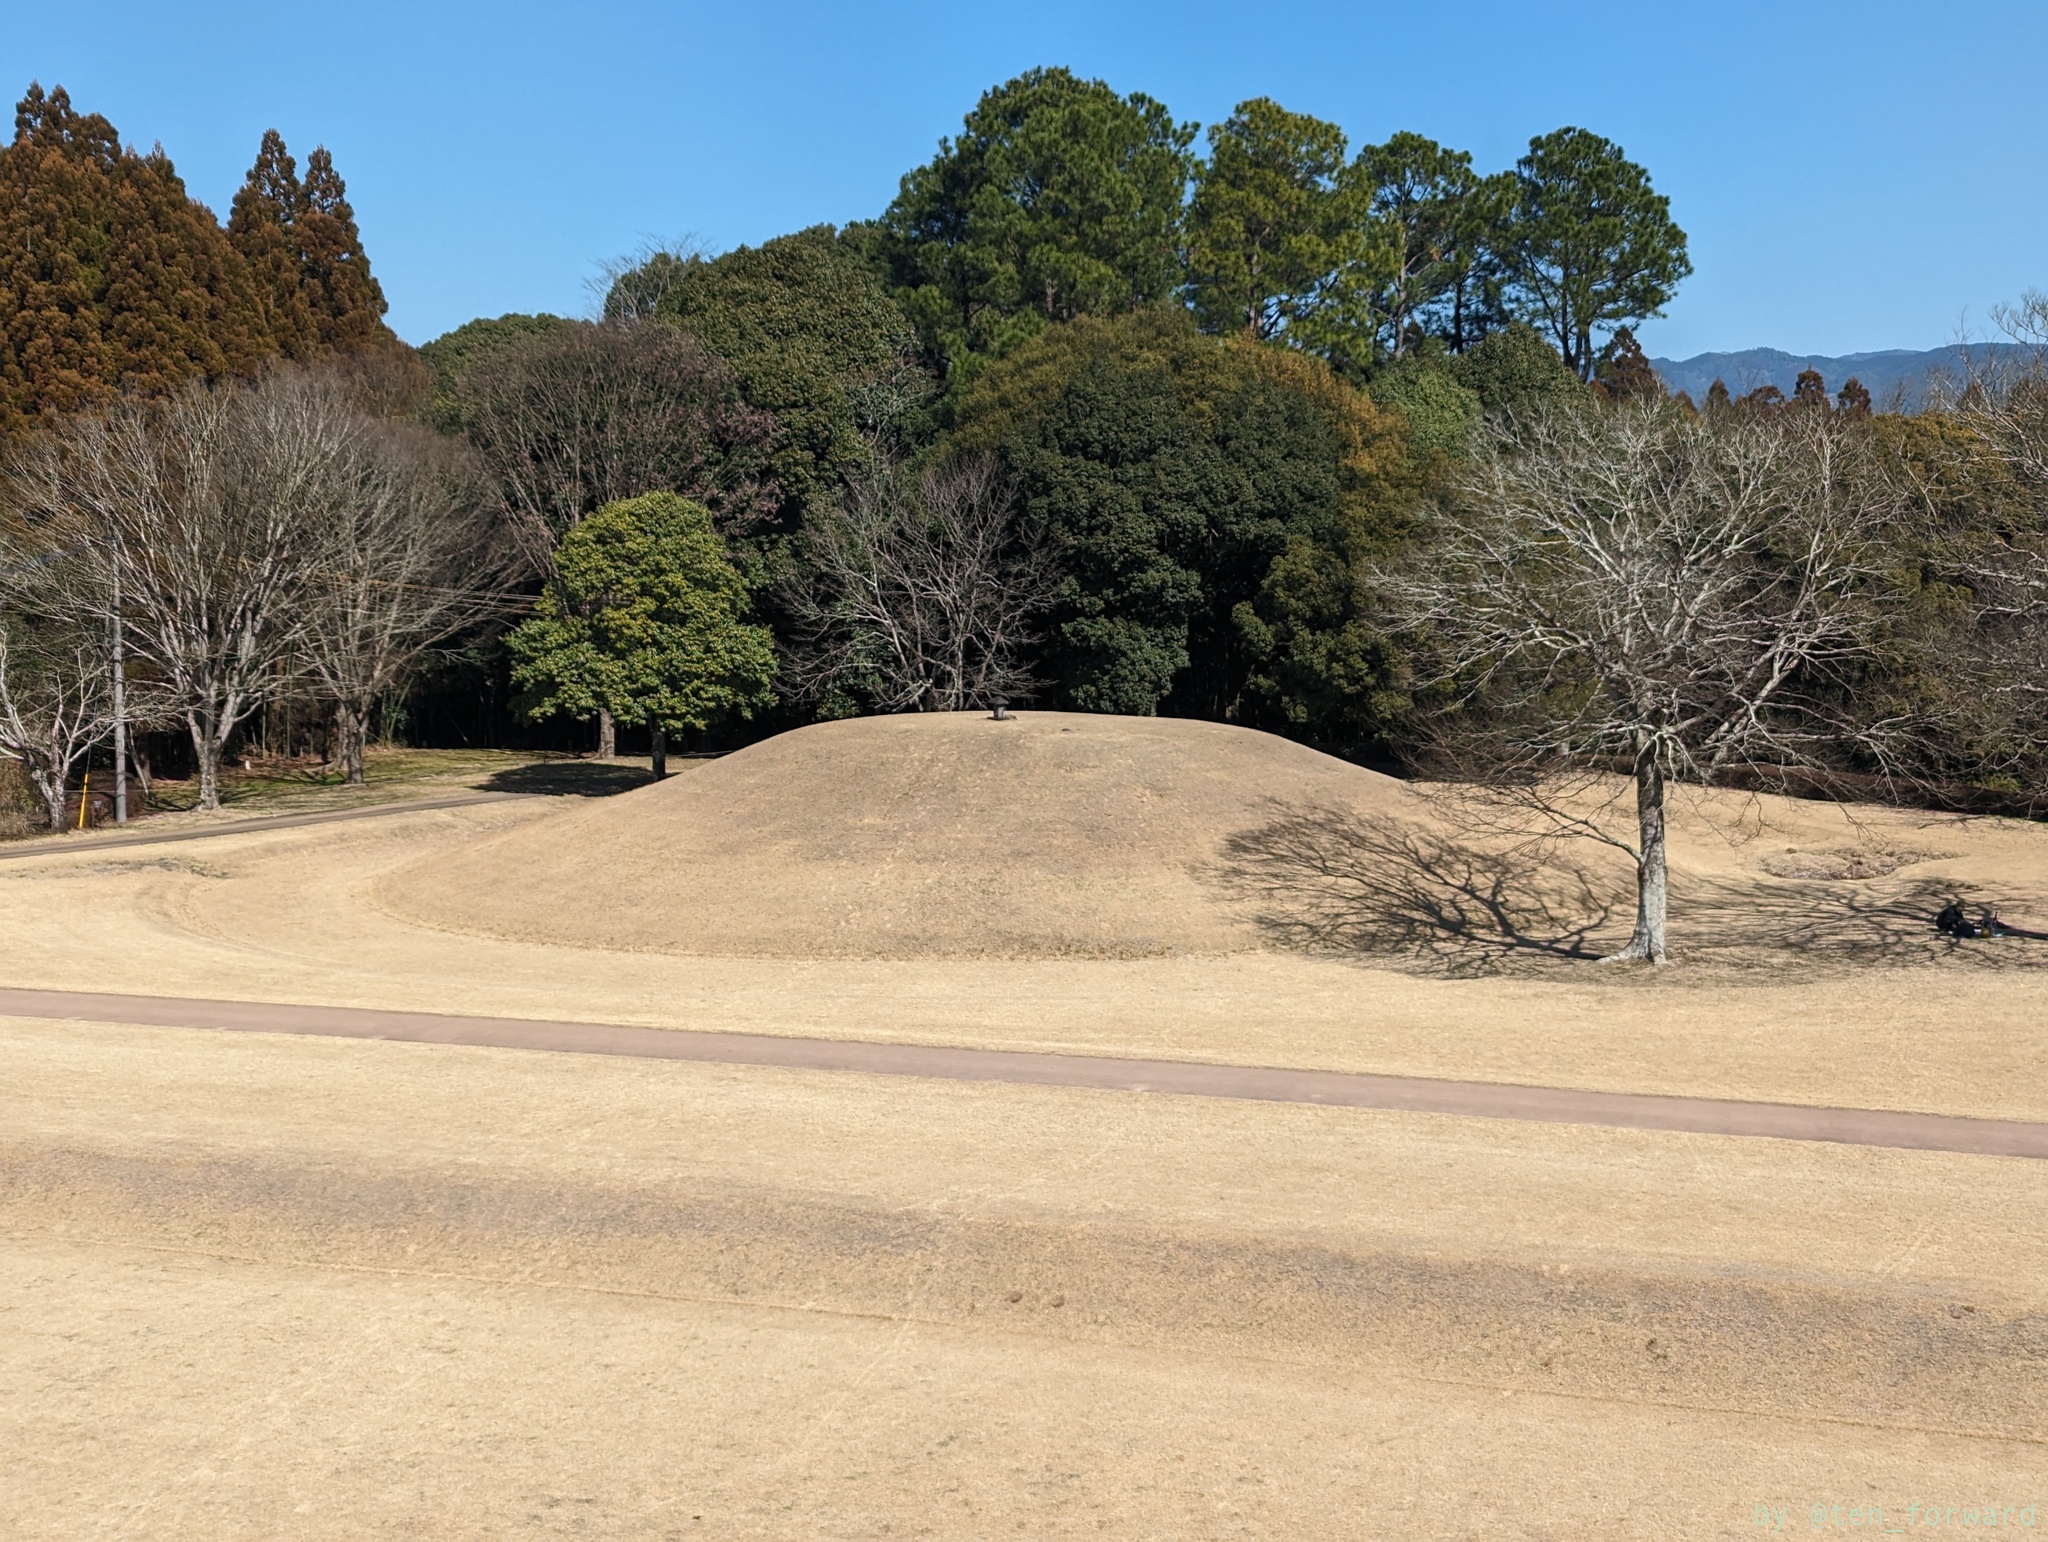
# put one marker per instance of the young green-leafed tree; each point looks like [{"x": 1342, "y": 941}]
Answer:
[
  {"x": 1059, "y": 198},
  {"x": 1590, "y": 244},
  {"x": 1269, "y": 226},
  {"x": 646, "y": 621}
]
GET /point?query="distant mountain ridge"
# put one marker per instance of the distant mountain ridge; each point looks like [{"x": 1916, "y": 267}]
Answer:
[{"x": 1891, "y": 375}]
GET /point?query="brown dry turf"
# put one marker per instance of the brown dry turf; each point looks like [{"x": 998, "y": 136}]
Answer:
[
  {"x": 1049, "y": 835},
  {"x": 261, "y": 1286}
]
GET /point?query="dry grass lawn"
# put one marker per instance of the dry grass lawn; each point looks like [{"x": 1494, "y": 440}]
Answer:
[
  {"x": 268, "y": 1287},
  {"x": 289, "y": 1287}
]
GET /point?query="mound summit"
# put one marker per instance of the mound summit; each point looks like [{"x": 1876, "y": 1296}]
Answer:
[{"x": 931, "y": 834}]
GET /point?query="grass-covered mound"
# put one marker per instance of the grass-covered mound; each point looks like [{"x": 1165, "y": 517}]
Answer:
[{"x": 931, "y": 834}]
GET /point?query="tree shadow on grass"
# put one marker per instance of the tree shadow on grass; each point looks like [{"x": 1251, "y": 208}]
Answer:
[
  {"x": 569, "y": 778},
  {"x": 1334, "y": 881},
  {"x": 1761, "y": 924},
  {"x": 1331, "y": 881}
]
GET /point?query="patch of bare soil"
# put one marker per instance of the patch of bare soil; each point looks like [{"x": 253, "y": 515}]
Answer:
[{"x": 1850, "y": 865}]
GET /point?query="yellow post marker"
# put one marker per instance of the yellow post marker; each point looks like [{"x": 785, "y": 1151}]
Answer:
[{"x": 84, "y": 799}]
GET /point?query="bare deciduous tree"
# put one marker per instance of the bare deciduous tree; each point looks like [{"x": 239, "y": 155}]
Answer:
[
  {"x": 195, "y": 511},
  {"x": 402, "y": 554},
  {"x": 920, "y": 590},
  {"x": 56, "y": 674},
  {"x": 1636, "y": 588},
  {"x": 633, "y": 287},
  {"x": 597, "y": 412},
  {"x": 1996, "y": 556}
]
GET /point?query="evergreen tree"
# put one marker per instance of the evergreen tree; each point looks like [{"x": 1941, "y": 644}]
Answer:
[
  {"x": 1426, "y": 221},
  {"x": 111, "y": 277},
  {"x": 647, "y": 621},
  {"x": 1590, "y": 244},
  {"x": 1624, "y": 374},
  {"x": 1810, "y": 390},
  {"x": 1514, "y": 370},
  {"x": 1058, "y": 199},
  {"x": 301, "y": 245},
  {"x": 262, "y": 224},
  {"x": 813, "y": 338},
  {"x": 346, "y": 301},
  {"x": 450, "y": 357},
  {"x": 56, "y": 217},
  {"x": 1268, "y": 226},
  {"x": 1210, "y": 499},
  {"x": 1442, "y": 414}
]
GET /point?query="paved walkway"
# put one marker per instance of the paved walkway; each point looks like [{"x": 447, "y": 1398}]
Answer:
[
  {"x": 1413, "y": 1094},
  {"x": 64, "y": 846}
]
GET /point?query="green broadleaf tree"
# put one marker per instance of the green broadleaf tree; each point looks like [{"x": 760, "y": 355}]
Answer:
[
  {"x": 1173, "y": 469},
  {"x": 1590, "y": 244},
  {"x": 646, "y": 622}
]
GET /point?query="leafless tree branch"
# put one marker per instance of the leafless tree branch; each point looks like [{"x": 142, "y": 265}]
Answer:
[
  {"x": 1642, "y": 590},
  {"x": 920, "y": 591}
]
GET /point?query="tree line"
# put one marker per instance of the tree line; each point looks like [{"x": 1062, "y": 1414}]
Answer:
[{"x": 1356, "y": 447}]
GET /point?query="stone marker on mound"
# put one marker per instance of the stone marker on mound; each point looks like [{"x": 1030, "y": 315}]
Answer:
[{"x": 931, "y": 834}]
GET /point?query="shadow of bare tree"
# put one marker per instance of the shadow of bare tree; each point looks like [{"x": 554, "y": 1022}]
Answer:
[
  {"x": 1335, "y": 881},
  {"x": 1764, "y": 924},
  {"x": 1329, "y": 880}
]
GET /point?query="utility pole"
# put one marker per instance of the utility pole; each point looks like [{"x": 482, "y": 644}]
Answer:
[{"x": 120, "y": 702}]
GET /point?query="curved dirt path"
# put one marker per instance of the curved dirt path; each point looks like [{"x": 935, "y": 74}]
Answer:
[
  {"x": 1343, "y": 1089},
  {"x": 65, "y": 846}
]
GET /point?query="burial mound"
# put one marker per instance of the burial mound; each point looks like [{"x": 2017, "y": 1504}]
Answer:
[{"x": 935, "y": 834}]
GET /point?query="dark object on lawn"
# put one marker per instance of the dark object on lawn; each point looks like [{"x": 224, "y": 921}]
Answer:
[
  {"x": 1956, "y": 924},
  {"x": 1002, "y": 711}
]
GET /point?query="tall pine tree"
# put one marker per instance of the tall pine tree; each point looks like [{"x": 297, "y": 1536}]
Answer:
[
  {"x": 346, "y": 301},
  {"x": 261, "y": 224},
  {"x": 301, "y": 243},
  {"x": 111, "y": 277}
]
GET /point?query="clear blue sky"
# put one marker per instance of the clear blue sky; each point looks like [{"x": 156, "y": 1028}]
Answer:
[{"x": 1852, "y": 176}]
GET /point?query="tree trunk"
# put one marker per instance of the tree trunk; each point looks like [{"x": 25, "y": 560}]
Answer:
[
  {"x": 206, "y": 749},
  {"x": 52, "y": 789},
  {"x": 1652, "y": 879},
  {"x": 657, "y": 738},
  {"x": 607, "y": 735},
  {"x": 120, "y": 719},
  {"x": 351, "y": 729}
]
